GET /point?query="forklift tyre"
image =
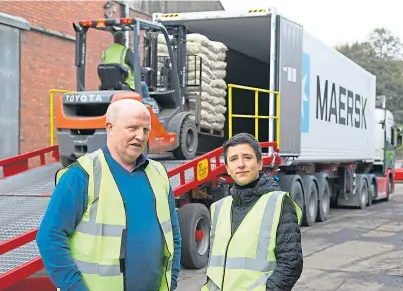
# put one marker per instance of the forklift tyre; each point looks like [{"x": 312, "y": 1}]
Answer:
[
  {"x": 195, "y": 223},
  {"x": 188, "y": 141}
]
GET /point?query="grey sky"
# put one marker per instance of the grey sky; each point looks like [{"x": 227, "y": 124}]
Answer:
[{"x": 334, "y": 22}]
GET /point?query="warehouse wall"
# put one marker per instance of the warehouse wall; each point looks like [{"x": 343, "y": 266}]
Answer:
[{"x": 47, "y": 58}]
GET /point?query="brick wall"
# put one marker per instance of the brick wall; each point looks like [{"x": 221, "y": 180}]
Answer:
[{"x": 47, "y": 62}]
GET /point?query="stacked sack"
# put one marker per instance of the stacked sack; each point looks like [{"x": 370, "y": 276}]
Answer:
[{"x": 213, "y": 87}]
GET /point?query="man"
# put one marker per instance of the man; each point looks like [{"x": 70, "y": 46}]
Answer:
[
  {"x": 111, "y": 223},
  {"x": 118, "y": 53},
  {"x": 255, "y": 239}
]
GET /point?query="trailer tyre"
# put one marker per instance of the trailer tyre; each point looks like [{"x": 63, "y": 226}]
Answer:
[
  {"x": 188, "y": 140},
  {"x": 324, "y": 203},
  {"x": 311, "y": 205},
  {"x": 194, "y": 221},
  {"x": 364, "y": 195},
  {"x": 297, "y": 194}
]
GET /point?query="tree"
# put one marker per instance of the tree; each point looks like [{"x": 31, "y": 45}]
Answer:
[
  {"x": 381, "y": 56},
  {"x": 386, "y": 45},
  {"x": 361, "y": 53}
]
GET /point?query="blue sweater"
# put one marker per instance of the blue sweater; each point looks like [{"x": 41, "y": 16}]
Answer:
[{"x": 144, "y": 249}]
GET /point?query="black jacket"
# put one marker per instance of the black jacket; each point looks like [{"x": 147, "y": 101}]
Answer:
[
  {"x": 129, "y": 60},
  {"x": 288, "y": 249}
]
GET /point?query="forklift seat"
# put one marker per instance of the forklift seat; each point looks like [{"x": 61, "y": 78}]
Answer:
[{"x": 112, "y": 77}]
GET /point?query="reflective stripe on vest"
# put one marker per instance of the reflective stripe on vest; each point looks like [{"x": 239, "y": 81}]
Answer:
[
  {"x": 96, "y": 245},
  {"x": 116, "y": 54},
  {"x": 249, "y": 262}
]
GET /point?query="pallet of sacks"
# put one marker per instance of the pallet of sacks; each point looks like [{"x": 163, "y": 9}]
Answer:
[{"x": 212, "y": 88}]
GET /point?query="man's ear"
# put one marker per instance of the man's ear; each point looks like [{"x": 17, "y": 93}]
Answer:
[{"x": 108, "y": 126}]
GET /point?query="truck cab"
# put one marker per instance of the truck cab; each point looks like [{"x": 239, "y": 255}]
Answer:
[{"x": 387, "y": 138}]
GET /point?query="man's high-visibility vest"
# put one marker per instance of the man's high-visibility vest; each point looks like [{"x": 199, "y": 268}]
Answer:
[
  {"x": 116, "y": 54},
  {"x": 96, "y": 245},
  {"x": 245, "y": 260}
]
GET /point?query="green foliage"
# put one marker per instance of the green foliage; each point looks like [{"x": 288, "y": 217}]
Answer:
[{"x": 381, "y": 55}]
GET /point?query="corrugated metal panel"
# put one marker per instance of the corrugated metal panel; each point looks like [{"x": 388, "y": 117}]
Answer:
[
  {"x": 290, "y": 41},
  {"x": 172, "y": 6},
  {"x": 10, "y": 91}
]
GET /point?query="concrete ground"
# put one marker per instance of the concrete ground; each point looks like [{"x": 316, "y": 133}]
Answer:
[{"x": 353, "y": 250}]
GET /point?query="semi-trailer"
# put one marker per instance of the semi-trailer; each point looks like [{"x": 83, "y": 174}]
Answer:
[{"x": 336, "y": 140}]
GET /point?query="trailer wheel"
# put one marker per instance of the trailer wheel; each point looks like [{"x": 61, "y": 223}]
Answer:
[
  {"x": 194, "y": 221},
  {"x": 364, "y": 194},
  {"x": 298, "y": 194},
  {"x": 311, "y": 206},
  {"x": 188, "y": 141},
  {"x": 324, "y": 203}
]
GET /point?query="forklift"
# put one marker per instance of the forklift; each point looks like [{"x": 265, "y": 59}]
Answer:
[{"x": 80, "y": 115}]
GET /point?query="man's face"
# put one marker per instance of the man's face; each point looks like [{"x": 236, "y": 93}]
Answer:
[
  {"x": 129, "y": 136},
  {"x": 242, "y": 164}
]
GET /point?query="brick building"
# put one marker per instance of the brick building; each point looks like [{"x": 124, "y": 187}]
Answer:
[{"x": 37, "y": 40}]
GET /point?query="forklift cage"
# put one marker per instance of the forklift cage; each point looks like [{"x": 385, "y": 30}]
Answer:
[{"x": 135, "y": 25}]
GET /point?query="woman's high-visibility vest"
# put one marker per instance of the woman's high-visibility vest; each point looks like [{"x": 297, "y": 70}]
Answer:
[
  {"x": 245, "y": 260},
  {"x": 96, "y": 245}
]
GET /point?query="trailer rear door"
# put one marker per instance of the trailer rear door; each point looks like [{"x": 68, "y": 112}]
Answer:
[{"x": 273, "y": 46}]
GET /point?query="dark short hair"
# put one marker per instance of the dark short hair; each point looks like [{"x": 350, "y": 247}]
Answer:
[
  {"x": 242, "y": 138},
  {"x": 119, "y": 37}
]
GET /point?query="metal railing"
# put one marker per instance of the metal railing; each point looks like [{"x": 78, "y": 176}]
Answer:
[{"x": 256, "y": 116}]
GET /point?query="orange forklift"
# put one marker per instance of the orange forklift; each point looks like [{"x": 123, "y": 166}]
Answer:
[{"x": 80, "y": 115}]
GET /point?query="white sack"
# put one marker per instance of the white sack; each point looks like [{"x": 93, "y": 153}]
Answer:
[
  {"x": 205, "y": 87},
  {"x": 220, "y": 65},
  {"x": 218, "y": 83},
  {"x": 218, "y": 126},
  {"x": 212, "y": 92},
  {"x": 193, "y": 48},
  {"x": 206, "y": 117},
  {"x": 220, "y": 109},
  {"x": 194, "y": 78},
  {"x": 206, "y": 67},
  {"x": 220, "y": 74},
  {"x": 218, "y": 47}
]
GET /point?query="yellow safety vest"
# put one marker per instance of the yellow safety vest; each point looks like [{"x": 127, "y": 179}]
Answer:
[
  {"x": 246, "y": 260},
  {"x": 116, "y": 54},
  {"x": 96, "y": 243}
]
